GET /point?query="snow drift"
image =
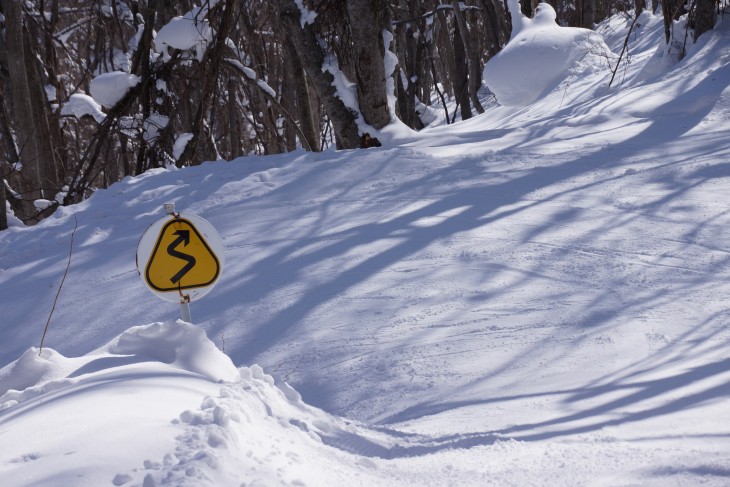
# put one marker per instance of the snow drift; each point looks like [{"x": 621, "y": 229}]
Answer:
[
  {"x": 202, "y": 421},
  {"x": 539, "y": 56}
]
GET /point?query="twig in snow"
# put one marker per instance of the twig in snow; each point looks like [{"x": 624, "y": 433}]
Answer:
[{"x": 60, "y": 286}]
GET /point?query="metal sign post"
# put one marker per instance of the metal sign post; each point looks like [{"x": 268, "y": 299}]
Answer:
[
  {"x": 179, "y": 258},
  {"x": 184, "y": 298},
  {"x": 185, "y": 309}
]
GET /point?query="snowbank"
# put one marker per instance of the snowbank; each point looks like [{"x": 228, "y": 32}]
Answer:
[
  {"x": 538, "y": 57},
  {"x": 33, "y": 369},
  {"x": 176, "y": 343},
  {"x": 179, "y": 344},
  {"x": 211, "y": 425}
]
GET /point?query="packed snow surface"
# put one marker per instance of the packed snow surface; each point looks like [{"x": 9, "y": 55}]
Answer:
[{"x": 535, "y": 296}]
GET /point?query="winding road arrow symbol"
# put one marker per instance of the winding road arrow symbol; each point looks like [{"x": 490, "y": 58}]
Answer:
[
  {"x": 183, "y": 237},
  {"x": 180, "y": 257}
]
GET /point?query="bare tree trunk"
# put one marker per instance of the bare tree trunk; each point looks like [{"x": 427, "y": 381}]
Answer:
[
  {"x": 52, "y": 68},
  {"x": 461, "y": 75},
  {"x": 305, "y": 112},
  {"x": 368, "y": 19},
  {"x": 289, "y": 103},
  {"x": 640, "y": 6},
  {"x": 424, "y": 56},
  {"x": 141, "y": 65},
  {"x": 3, "y": 207},
  {"x": 405, "y": 89},
  {"x": 705, "y": 17},
  {"x": 406, "y": 113},
  {"x": 589, "y": 13},
  {"x": 200, "y": 147},
  {"x": 312, "y": 58},
  {"x": 8, "y": 153},
  {"x": 446, "y": 52},
  {"x": 475, "y": 69},
  {"x": 496, "y": 25},
  {"x": 234, "y": 126},
  {"x": 40, "y": 176},
  {"x": 667, "y": 15}
]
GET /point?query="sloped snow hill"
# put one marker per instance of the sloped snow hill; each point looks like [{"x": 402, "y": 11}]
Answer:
[{"x": 537, "y": 294}]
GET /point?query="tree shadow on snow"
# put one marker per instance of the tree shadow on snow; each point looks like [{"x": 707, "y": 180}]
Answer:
[{"x": 489, "y": 201}]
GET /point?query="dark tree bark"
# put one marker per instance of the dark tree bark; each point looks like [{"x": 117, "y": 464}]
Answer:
[
  {"x": 705, "y": 17},
  {"x": 234, "y": 125},
  {"x": 667, "y": 15},
  {"x": 7, "y": 148},
  {"x": 475, "y": 69},
  {"x": 305, "y": 110},
  {"x": 141, "y": 65},
  {"x": 312, "y": 58},
  {"x": 199, "y": 148},
  {"x": 3, "y": 214},
  {"x": 461, "y": 82},
  {"x": 289, "y": 103},
  {"x": 497, "y": 29},
  {"x": 368, "y": 19},
  {"x": 446, "y": 53},
  {"x": 40, "y": 174},
  {"x": 405, "y": 88},
  {"x": 589, "y": 14}
]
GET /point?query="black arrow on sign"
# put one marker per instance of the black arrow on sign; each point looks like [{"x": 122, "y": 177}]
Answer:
[{"x": 183, "y": 237}]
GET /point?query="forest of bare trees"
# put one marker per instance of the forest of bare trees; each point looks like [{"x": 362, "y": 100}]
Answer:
[{"x": 257, "y": 80}]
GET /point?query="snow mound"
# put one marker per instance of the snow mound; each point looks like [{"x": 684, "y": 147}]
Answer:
[
  {"x": 248, "y": 427},
  {"x": 32, "y": 369},
  {"x": 178, "y": 344},
  {"x": 538, "y": 57}
]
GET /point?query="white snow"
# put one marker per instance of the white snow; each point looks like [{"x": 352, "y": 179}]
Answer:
[
  {"x": 79, "y": 105},
  {"x": 13, "y": 221},
  {"x": 306, "y": 16},
  {"x": 535, "y": 296},
  {"x": 251, "y": 74},
  {"x": 180, "y": 143},
  {"x": 108, "y": 88},
  {"x": 188, "y": 32},
  {"x": 42, "y": 204},
  {"x": 539, "y": 56},
  {"x": 265, "y": 86},
  {"x": 390, "y": 64}
]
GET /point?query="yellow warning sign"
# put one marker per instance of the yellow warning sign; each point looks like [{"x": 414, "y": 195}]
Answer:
[{"x": 181, "y": 259}]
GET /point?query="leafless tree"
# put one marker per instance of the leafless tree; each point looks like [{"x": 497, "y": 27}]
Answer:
[{"x": 263, "y": 83}]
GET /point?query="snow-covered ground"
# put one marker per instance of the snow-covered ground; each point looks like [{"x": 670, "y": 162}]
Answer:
[{"x": 536, "y": 296}]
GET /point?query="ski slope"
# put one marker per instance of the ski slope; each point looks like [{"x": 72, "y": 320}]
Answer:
[{"x": 535, "y": 296}]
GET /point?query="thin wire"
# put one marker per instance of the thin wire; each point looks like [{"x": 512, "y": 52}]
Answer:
[{"x": 68, "y": 265}]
